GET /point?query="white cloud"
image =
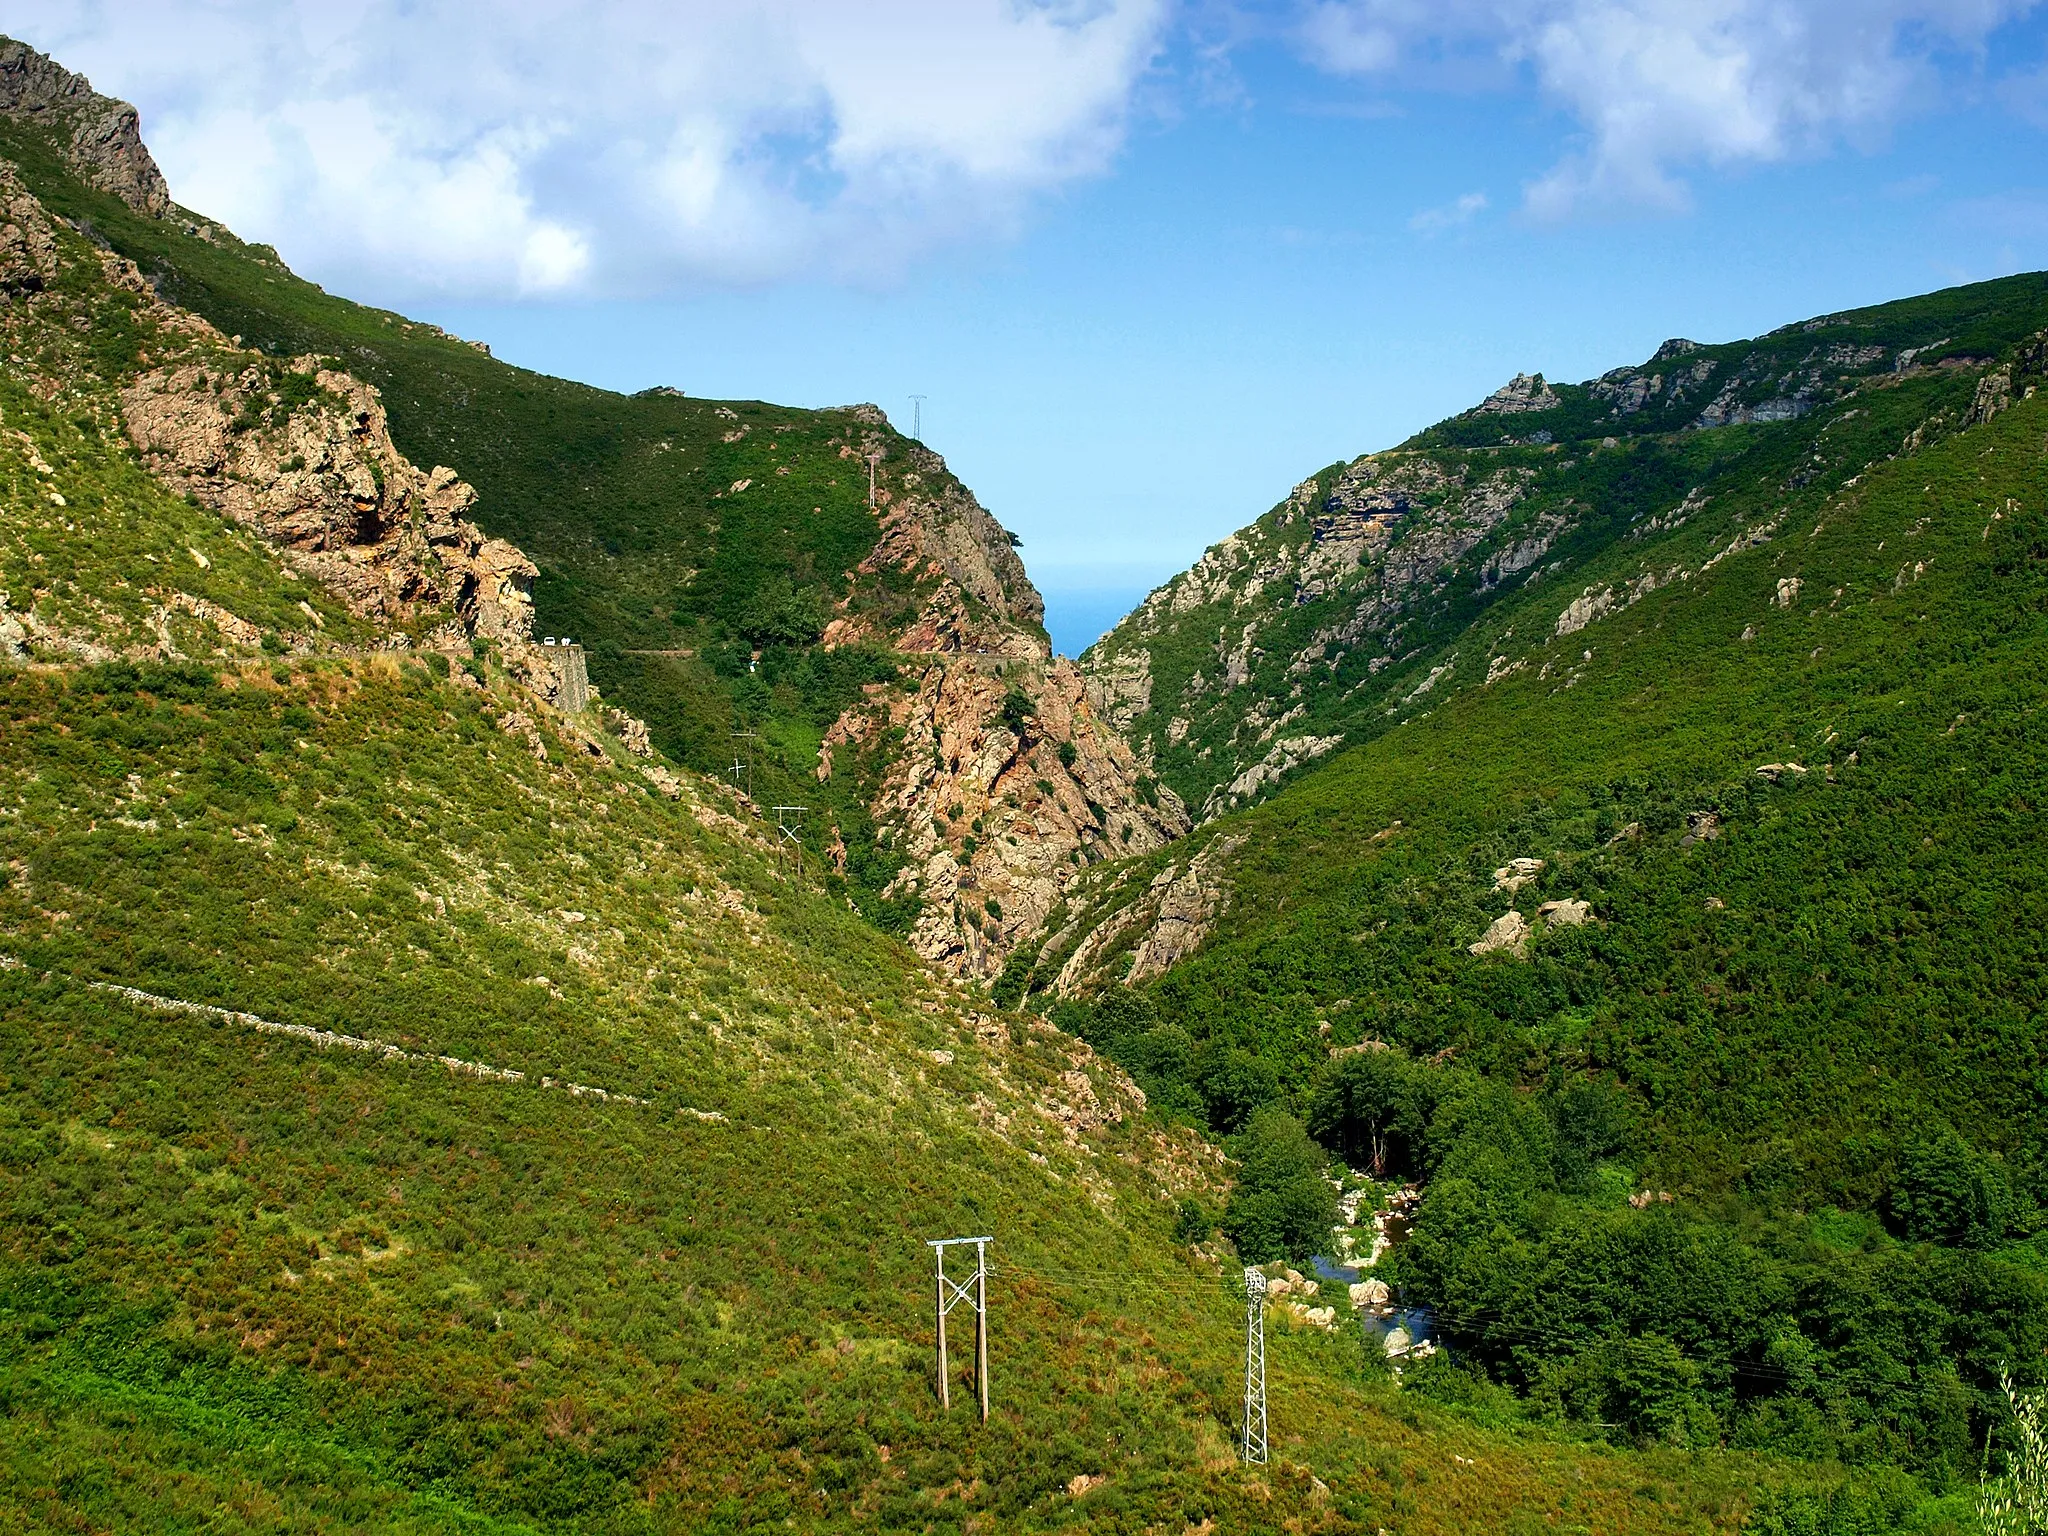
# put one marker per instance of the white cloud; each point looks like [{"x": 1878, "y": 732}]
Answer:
[
  {"x": 551, "y": 146},
  {"x": 1462, "y": 210},
  {"x": 1661, "y": 86}
]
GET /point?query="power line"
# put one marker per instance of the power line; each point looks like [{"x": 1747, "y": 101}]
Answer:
[
  {"x": 1465, "y": 1320},
  {"x": 790, "y": 836},
  {"x": 749, "y": 737}
]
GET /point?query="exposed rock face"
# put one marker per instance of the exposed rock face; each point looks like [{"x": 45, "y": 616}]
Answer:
[
  {"x": 934, "y": 530},
  {"x": 1002, "y": 784},
  {"x": 1509, "y": 931},
  {"x": 1524, "y": 392},
  {"x": 991, "y": 773},
  {"x": 1516, "y": 873},
  {"x": 1293, "y": 609},
  {"x": 1282, "y": 759},
  {"x": 100, "y": 138},
  {"x": 315, "y": 472},
  {"x": 1121, "y": 689},
  {"x": 1113, "y": 931},
  {"x": 28, "y": 246},
  {"x": 13, "y": 635}
]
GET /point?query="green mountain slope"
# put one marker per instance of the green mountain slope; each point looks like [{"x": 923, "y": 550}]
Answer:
[
  {"x": 721, "y": 563},
  {"x": 1380, "y": 583},
  {"x": 424, "y": 1107},
  {"x": 1710, "y": 872}
]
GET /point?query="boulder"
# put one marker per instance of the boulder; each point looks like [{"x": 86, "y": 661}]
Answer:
[
  {"x": 1370, "y": 1293},
  {"x": 1516, "y": 873},
  {"x": 1509, "y": 931},
  {"x": 1523, "y": 393},
  {"x": 1566, "y": 914}
]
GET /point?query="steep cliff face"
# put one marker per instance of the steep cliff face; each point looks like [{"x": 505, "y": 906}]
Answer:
[
  {"x": 295, "y": 452},
  {"x": 991, "y": 779},
  {"x": 98, "y": 137},
  {"x": 994, "y": 785},
  {"x": 1350, "y": 606},
  {"x": 301, "y": 453}
]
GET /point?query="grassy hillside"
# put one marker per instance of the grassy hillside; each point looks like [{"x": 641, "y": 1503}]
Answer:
[
  {"x": 1787, "y": 749},
  {"x": 696, "y": 548},
  {"x": 418, "y": 1111},
  {"x": 261, "y": 1283},
  {"x": 247, "y": 1280}
]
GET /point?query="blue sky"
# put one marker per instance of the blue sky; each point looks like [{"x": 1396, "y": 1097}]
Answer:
[{"x": 1251, "y": 241}]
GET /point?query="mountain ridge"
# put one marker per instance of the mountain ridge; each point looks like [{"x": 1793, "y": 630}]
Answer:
[
  {"x": 728, "y": 576},
  {"x": 1378, "y": 562},
  {"x": 1660, "y": 973}
]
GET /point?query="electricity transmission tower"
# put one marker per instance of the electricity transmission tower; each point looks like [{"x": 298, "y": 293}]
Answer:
[
  {"x": 917, "y": 417},
  {"x": 1254, "y": 1368},
  {"x": 791, "y": 835},
  {"x": 974, "y": 1291},
  {"x": 873, "y": 459}
]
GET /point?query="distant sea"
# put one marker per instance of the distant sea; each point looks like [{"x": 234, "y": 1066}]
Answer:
[{"x": 1077, "y": 618}]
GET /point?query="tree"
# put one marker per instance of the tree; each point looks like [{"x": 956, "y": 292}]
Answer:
[
  {"x": 1948, "y": 1193},
  {"x": 1373, "y": 1108},
  {"x": 2017, "y": 1503},
  {"x": 1235, "y": 1085},
  {"x": 778, "y": 612},
  {"x": 1283, "y": 1207}
]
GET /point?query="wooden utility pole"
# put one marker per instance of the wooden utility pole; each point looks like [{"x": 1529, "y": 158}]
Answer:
[
  {"x": 948, "y": 1294},
  {"x": 749, "y": 737},
  {"x": 791, "y": 835}
]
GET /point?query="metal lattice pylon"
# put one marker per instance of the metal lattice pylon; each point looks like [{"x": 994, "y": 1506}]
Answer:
[{"x": 1254, "y": 1368}]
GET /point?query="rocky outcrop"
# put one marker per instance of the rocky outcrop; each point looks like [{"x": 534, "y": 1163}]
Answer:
[
  {"x": 1509, "y": 932},
  {"x": 1189, "y": 904},
  {"x": 28, "y": 245},
  {"x": 99, "y": 138},
  {"x": 303, "y": 455},
  {"x": 1280, "y": 760},
  {"x": 1110, "y": 930},
  {"x": 999, "y": 785},
  {"x": 1121, "y": 689},
  {"x": 1524, "y": 392},
  {"x": 1516, "y": 873},
  {"x": 991, "y": 773},
  {"x": 1290, "y": 610},
  {"x": 979, "y": 599}
]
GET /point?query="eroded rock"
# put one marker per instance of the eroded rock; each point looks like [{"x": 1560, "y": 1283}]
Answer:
[
  {"x": 100, "y": 138},
  {"x": 303, "y": 455},
  {"x": 1516, "y": 873},
  {"x": 1509, "y": 932}
]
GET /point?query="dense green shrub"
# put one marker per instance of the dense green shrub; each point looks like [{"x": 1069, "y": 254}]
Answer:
[
  {"x": 1283, "y": 1207},
  {"x": 1950, "y": 1193}
]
